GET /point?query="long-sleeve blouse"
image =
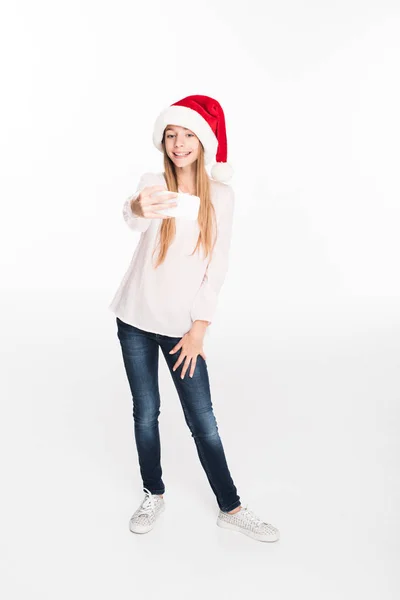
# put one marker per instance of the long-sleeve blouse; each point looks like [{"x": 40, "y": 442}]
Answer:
[{"x": 184, "y": 288}]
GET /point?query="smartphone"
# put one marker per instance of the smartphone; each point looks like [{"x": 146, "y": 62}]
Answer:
[{"x": 187, "y": 206}]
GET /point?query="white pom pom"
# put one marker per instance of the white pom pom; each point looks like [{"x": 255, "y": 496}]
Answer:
[{"x": 221, "y": 171}]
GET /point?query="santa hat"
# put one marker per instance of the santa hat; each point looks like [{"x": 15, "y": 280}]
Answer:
[{"x": 205, "y": 117}]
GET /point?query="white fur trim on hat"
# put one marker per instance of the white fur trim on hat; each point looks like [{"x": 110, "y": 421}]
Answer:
[
  {"x": 187, "y": 117},
  {"x": 221, "y": 171}
]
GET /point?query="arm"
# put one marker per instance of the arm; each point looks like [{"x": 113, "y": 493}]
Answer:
[
  {"x": 133, "y": 221},
  {"x": 205, "y": 301}
]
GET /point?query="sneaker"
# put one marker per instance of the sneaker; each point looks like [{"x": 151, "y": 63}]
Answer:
[
  {"x": 245, "y": 521},
  {"x": 145, "y": 516}
]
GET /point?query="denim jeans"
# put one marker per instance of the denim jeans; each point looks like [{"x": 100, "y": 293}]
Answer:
[{"x": 140, "y": 352}]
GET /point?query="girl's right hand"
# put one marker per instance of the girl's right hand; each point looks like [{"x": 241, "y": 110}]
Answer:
[{"x": 147, "y": 206}]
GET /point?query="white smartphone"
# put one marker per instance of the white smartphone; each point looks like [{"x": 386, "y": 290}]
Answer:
[{"x": 187, "y": 205}]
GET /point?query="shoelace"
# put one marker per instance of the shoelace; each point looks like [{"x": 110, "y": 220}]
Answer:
[
  {"x": 148, "y": 503},
  {"x": 251, "y": 516}
]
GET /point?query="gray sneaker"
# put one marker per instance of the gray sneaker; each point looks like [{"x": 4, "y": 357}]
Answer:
[
  {"x": 245, "y": 521},
  {"x": 145, "y": 516}
]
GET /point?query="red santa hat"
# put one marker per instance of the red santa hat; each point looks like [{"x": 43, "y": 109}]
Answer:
[{"x": 205, "y": 117}]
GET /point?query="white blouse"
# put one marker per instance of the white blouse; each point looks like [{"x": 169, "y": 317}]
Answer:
[{"x": 183, "y": 288}]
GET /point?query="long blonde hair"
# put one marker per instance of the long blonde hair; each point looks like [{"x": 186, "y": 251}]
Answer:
[{"x": 206, "y": 218}]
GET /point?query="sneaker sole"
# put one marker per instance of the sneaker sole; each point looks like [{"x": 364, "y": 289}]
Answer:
[
  {"x": 256, "y": 536},
  {"x": 146, "y": 530}
]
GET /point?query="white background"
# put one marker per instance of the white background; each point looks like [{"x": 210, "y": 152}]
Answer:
[{"x": 304, "y": 354}]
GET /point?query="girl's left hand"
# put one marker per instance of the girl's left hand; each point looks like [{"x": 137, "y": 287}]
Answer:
[{"x": 192, "y": 345}]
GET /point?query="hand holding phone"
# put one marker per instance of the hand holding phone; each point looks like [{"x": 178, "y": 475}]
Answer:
[{"x": 148, "y": 206}]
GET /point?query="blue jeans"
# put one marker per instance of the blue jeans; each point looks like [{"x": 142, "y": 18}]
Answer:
[{"x": 140, "y": 351}]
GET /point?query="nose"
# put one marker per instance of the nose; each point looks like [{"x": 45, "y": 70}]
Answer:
[{"x": 178, "y": 142}]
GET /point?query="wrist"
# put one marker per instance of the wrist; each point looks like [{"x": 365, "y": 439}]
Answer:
[
  {"x": 133, "y": 202},
  {"x": 200, "y": 325}
]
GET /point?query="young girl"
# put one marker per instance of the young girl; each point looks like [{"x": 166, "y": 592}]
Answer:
[{"x": 168, "y": 297}]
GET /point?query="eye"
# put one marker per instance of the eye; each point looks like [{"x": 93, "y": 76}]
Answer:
[
  {"x": 191, "y": 134},
  {"x": 170, "y": 134}
]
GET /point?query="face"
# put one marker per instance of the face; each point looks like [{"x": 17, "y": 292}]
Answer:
[{"x": 181, "y": 145}]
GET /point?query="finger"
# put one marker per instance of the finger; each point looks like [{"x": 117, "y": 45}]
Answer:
[
  {"x": 175, "y": 348},
  {"x": 179, "y": 361},
  {"x": 157, "y": 216},
  {"x": 163, "y": 197},
  {"x": 154, "y": 188},
  {"x": 185, "y": 366},
  {"x": 194, "y": 360},
  {"x": 161, "y": 205}
]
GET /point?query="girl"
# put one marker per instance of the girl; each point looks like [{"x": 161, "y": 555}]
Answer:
[{"x": 168, "y": 300}]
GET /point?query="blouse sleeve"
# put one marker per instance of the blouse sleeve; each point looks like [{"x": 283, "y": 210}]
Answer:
[
  {"x": 134, "y": 221},
  {"x": 205, "y": 301}
]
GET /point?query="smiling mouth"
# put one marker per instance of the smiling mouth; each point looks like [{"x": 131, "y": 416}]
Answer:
[{"x": 181, "y": 154}]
